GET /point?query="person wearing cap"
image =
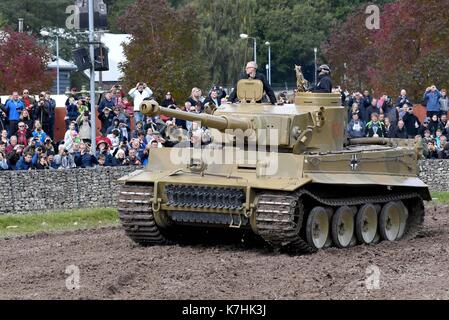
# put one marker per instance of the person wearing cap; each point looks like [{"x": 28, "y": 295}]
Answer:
[
  {"x": 324, "y": 84},
  {"x": 106, "y": 118},
  {"x": 103, "y": 150},
  {"x": 168, "y": 100},
  {"x": 251, "y": 73}
]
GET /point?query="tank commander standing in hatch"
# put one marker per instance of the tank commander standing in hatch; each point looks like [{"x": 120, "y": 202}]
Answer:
[
  {"x": 324, "y": 84},
  {"x": 251, "y": 73}
]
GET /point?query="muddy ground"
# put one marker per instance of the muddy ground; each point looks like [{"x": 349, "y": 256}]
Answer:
[{"x": 112, "y": 267}]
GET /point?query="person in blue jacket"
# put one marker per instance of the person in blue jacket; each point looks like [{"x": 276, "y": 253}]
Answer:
[
  {"x": 13, "y": 108},
  {"x": 84, "y": 159},
  {"x": 432, "y": 96},
  {"x": 25, "y": 162}
]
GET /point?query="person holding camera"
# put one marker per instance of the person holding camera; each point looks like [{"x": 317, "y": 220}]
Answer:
[
  {"x": 139, "y": 93},
  {"x": 45, "y": 113},
  {"x": 63, "y": 160},
  {"x": 403, "y": 99},
  {"x": 84, "y": 159},
  {"x": 432, "y": 96}
]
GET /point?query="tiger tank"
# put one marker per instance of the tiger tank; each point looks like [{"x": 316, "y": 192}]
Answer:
[{"x": 287, "y": 173}]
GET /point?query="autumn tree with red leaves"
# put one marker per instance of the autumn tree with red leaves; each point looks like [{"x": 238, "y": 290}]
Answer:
[
  {"x": 410, "y": 50},
  {"x": 23, "y": 63},
  {"x": 164, "y": 51}
]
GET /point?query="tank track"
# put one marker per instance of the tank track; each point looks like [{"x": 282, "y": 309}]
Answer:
[
  {"x": 279, "y": 216},
  {"x": 136, "y": 215}
]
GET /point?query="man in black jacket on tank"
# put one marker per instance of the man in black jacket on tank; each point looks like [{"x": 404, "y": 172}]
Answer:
[
  {"x": 324, "y": 84},
  {"x": 251, "y": 73}
]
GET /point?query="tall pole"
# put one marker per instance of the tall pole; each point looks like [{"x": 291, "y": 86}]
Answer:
[
  {"x": 255, "y": 50},
  {"x": 315, "y": 50},
  {"x": 100, "y": 73},
  {"x": 20, "y": 25},
  {"x": 92, "y": 76},
  {"x": 269, "y": 63},
  {"x": 57, "y": 64}
]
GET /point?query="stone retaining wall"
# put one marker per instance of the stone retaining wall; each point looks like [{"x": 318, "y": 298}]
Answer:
[
  {"x": 435, "y": 173},
  {"x": 39, "y": 190},
  {"x": 23, "y": 191}
]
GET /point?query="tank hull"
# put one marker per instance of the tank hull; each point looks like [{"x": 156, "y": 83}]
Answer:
[{"x": 274, "y": 203}]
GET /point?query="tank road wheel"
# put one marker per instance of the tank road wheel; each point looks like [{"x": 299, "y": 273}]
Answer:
[
  {"x": 343, "y": 227},
  {"x": 390, "y": 221},
  {"x": 317, "y": 228},
  {"x": 404, "y": 217},
  {"x": 366, "y": 224}
]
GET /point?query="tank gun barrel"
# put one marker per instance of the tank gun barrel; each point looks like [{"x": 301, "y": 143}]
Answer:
[{"x": 151, "y": 108}]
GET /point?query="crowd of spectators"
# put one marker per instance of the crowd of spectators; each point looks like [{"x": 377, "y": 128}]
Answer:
[
  {"x": 27, "y": 129},
  {"x": 386, "y": 117},
  {"x": 27, "y": 126}
]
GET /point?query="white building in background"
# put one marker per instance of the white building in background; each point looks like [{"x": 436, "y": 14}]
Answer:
[
  {"x": 116, "y": 55},
  {"x": 65, "y": 70}
]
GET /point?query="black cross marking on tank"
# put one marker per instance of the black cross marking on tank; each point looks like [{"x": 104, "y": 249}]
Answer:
[{"x": 354, "y": 162}]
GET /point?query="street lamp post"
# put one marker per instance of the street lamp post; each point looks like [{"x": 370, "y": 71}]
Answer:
[
  {"x": 92, "y": 76},
  {"x": 57, "y": 64},
  {"x": 47, "y": 34},
  {"x": 269, "y": 61},
  {"x": 245, "y": 36},
  {"x": 315, "y": 50}
]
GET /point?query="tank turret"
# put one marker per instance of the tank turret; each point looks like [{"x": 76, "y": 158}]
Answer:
[{"x": 315, "y": 123}]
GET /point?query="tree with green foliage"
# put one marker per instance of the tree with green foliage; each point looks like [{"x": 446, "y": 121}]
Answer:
[
  {"x": 164, "y": 50},
  {"x": 37, "y": 14},
  {"x": 3, "y": 21},
  {"x": 220, "y": 46}
]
